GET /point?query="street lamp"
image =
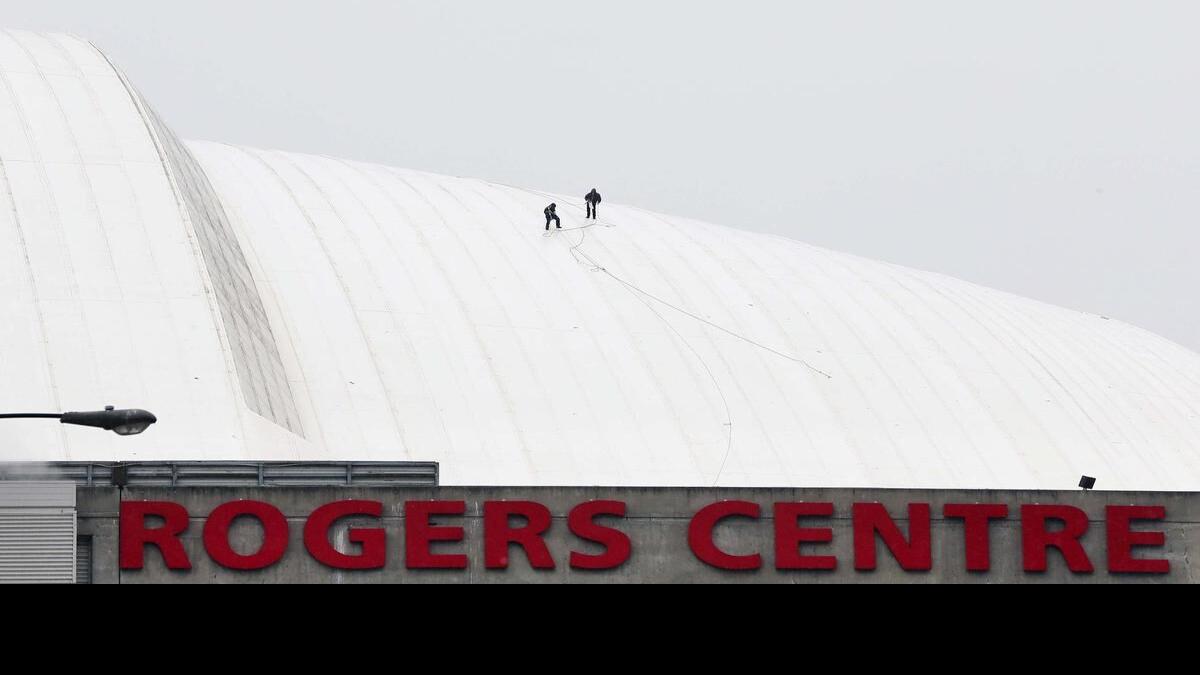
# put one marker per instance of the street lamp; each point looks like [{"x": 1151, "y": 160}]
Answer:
[{"x": 120, "y": 422}]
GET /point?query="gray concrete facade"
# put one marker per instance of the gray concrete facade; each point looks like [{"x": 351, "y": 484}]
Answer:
[{"x": 657, "y": 523}]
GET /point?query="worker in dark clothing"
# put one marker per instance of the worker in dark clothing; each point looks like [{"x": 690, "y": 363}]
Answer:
[
  {"x": 551, "y": 214},
  {"x": 593, "y": 200}
]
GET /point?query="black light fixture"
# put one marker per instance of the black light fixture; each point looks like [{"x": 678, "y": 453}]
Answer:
[
  {"x": 1087, "y": 483},
  {"x": 120, "y": 422}
]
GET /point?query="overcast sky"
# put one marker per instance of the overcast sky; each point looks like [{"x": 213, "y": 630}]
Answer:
[{"x": 1045, "y": 147}]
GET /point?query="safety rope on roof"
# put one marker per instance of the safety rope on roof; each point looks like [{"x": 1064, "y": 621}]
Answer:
[
  {"x": 581, "y": 257},
  {"x": 577, "y": 251},
  {"x": 701, "y": 319}
]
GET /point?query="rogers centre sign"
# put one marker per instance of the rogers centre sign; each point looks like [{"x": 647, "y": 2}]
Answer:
[{"x": 802, "y": 533}]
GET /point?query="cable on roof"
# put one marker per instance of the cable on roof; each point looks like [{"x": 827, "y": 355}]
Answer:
[
  {"x": 712, "y": 376},
  {"x": 576, "y": 252},
  {"x": 701, "y": 319},
  {"x": 581, "y": 256}
]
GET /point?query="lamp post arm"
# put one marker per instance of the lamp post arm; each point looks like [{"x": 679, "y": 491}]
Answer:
[{"x": 120, "y": 422}]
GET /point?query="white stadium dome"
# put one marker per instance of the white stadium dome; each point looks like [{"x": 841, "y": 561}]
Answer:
[{"x": 274, "y": 306}]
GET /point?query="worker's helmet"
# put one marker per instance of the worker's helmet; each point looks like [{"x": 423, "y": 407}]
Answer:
[{"x": 554, "y": 206}]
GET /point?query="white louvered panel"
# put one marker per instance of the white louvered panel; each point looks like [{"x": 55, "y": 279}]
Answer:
[
  {"x": 37, "y": 533},
  {"x": 37, "y": 546}
]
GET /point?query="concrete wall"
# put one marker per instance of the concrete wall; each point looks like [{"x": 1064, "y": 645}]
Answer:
[{"x": 657, "y": 522}]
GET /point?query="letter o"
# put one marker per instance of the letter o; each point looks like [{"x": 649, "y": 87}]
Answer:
[{"x": 275, "y": 535}]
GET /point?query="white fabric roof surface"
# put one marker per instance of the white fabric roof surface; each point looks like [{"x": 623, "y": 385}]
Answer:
[{"x": 274, "y": 306}]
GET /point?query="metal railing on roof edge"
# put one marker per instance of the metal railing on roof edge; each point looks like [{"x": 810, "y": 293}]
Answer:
[{"x": 228, "y": 474}]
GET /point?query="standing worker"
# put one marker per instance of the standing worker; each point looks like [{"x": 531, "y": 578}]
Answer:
[
  {"x": 593, "y": 200},
  {"x": 551, "y": 214}
]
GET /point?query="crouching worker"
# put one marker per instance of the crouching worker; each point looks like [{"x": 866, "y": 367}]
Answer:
[{"x": 552, "y": 214}]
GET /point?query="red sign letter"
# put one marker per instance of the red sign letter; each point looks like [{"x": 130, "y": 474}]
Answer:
[
  {"x": 372, "y": 541},
  {"x": 617, "y": 547},
  {"x": 419, "y": 534},
  {"x": 275, "y": 535},
  {"x": 1036, "y": 539},
  {"x": 976, "y": 526},
  {"x": 701, "y": 540},
  {"x": 789, "y": 536},
  {"x": 135, "y": 536},
  {"x": 873, "y": 519},
  {"x": 1122, "y": 540},
  {"x": 498, "y": 535}
]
